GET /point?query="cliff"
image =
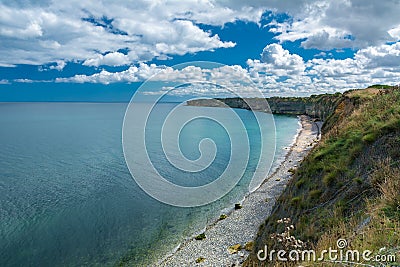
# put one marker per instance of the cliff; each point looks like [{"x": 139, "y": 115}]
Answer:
[
  {"x": 347, "y": 187},
  {"x": 316, "y": 106}
]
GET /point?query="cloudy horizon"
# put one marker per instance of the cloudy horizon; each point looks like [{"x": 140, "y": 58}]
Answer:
[{"x": 286, "y": 48}]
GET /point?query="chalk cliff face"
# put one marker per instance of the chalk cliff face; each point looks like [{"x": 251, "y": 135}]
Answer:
[{"x": 320, "y": 106}]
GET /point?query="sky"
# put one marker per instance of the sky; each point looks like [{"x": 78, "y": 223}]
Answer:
[{"x": 104, "y": 50}]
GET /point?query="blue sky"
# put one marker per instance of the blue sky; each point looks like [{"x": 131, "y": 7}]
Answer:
[{"x": 103, "y": 51}]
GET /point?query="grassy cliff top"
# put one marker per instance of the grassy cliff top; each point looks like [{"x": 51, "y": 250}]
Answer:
[{"x": 349, "y": 185}]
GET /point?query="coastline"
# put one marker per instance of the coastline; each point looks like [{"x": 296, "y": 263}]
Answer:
[{"x": 241, "y": 226}]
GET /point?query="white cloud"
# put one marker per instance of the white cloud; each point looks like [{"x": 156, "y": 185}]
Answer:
[
  {"x": 327, "y": 25},
  {"x": 384, "y": 56},
  {"x": 277, "y": 58},
  {"x": 60, "y": 65},
  {"x": 110, "y": 59},
  {"x": 24, "y": 81},
  {"x": 276, "y": 64},
  {"x": 30, "y": 81},
  {"x": 104, "y": 77},
  {"x": 94, "y": 32},
  {"x": 395, "y": 32},
  {"x": 367, "y": 66},
  {"x": 322, "y": 54},
  {"x": 143, "y": 72},
  {"x": 277, "y": 73},
  {"x": 189, "y": 80}
]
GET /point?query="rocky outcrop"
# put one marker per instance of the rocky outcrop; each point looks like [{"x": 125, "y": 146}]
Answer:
[{"x": 316, "y": 106}]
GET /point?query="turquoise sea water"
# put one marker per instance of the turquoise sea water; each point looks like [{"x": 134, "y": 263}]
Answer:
[{"x": 68, "y": 199}]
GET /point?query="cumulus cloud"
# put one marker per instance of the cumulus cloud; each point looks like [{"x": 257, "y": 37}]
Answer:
[
  {"x": 280, "y": 72},
  {"x": 137, "y": 74},
  {"x": 104, "y": 77},
  {"x": 277, "y": 72},
  {"x": 110, "y": 59},
  {"x": 276, "y": 60},
  {"x": 395, "y": 32},
  {"x": 187, "y": 81},
  {"x": 130, "y": 33},
  {"x": 375, "y": 64},
  {"x": 60, "y": 65},
  {"x": 95, "y": 32},
  {"x": 143, "y": 72},
  {"x": 327, "y": 25}
]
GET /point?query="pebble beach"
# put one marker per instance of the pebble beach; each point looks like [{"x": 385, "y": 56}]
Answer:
[{"x": 220, "y": 247}]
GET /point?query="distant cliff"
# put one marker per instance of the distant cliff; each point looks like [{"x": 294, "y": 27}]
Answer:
[{"x": 316, "y": 106}]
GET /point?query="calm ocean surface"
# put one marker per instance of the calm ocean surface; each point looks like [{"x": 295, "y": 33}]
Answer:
[{"x": 67, "y": 197}]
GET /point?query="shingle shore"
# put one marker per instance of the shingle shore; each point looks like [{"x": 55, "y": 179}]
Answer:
[{"x": 241, "y": 225}]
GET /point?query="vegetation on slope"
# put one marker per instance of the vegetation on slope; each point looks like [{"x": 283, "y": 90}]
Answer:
[{"x": 349, "y": 185}]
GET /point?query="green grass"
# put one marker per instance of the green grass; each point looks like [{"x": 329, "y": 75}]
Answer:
[
  {"x": 380, "y": 86},
  {"x": 223, "y": 217},
  {"x": 296, "y": 201},
  {"x": 347, "y": 175},
  {"x": 316, "y": 193},
  {"x": 200, "y": 236}
]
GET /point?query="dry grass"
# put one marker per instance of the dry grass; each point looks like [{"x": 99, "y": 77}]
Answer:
[
  {"x": 365, "y": 93},
  {"x": 390, "y": 186},
  {"x": 377, "y": 228}
]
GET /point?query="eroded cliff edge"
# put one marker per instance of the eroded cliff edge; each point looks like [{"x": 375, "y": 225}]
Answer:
[{"x": 315, "y": 106}]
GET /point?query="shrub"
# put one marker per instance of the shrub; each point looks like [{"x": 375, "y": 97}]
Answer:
[
  {"x": 200, "y": 260},
  {"x": 200, "y": 236}
]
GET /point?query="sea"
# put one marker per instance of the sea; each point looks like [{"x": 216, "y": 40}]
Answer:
[{"x": 67, "y": 197}]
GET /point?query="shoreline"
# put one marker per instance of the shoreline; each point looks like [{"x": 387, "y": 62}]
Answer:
[{"x": 241, "y": 226}]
